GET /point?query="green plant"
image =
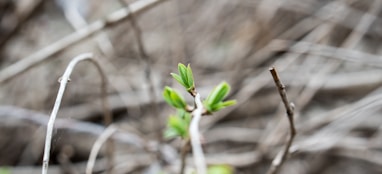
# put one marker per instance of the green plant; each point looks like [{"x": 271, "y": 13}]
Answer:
[
  {"x": 4, "y": 170},
  {"x": 214, "y": 101},
  {"x": 185, "y": 77},
  {"x": 220, "y": 169},
  {"x": 178, "y": 125}
]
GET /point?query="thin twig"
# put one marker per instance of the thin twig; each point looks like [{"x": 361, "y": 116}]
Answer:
[
  {"x": 78, "y": 21},
  {"x": 348, "y": 44},
  {"x": 197, "y": 150},
  {"x": 63, "y": 82},
  {"x": 97, "y": 146},
  {"x": 137, "y": 31},
  {"x": 346, "y": 54},
  {"x": 30, "y": 8},
  {"x": 145, "y": 58},
  {"x": 261, "y": 80},
  {"x": 107, "y": 115},
  {"x": 281, "y": 156},
  {"x": 48, "y": 52}
]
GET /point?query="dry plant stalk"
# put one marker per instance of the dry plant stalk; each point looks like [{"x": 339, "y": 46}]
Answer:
[
  {"x": 63, "y": 82},
  {"x": 145, "y": 58},
  {"x": 29, "y": 8},
  {"x": 281, "y": 156},
  {"x": 97, "y": 146},
  {"x": 46, "y": 53}
]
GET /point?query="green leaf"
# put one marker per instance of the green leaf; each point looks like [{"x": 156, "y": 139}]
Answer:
[
  {"x": 183, "y": 74},
  {"x": 170, "y": 133},
  {"x": 208, "y": 107},
  {"x": 218, "y": 94},
  {"x": 178, "y": 78},
  {"x": 217, "y": 107},
  {"x": 186, "y": 116},
  {"x": 167, "y": 95},
  {"x": 222, "y": 91},
  {"x": 178, "y": 125},
  {"x": 178, "y": 100},
  {"x": 214, "y": 101},
  {"x": 229, "y": 103},
  {"x": 220, "y": 169},
  {"x": 173, "y": 98},
  {"x": 220, "y": 105},
  {"x": 190, "y": 78}
]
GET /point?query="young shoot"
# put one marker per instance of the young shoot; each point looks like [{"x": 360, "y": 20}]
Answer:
[{"x": 184, "y": 124}]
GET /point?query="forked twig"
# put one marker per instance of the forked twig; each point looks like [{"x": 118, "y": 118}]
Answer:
[
  {"x": 197, "y": 150},
  {"x": 63, "y": 82},
  {"x": 281, "y": 156}
]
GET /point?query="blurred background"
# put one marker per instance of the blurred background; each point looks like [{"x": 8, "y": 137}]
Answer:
[{"x": 327, "y": 54}]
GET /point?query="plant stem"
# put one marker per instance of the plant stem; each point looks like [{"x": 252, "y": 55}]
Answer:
[
  {"x": 281, "y": 156},
  {"x": 197, "y": 150},
  {"x": 63, "y": 82},
  {"x": 97, "y": 146}
]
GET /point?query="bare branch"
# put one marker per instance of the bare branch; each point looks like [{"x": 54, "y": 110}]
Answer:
[
  {"x": 281, "y": 156},
  {"x": 197, "y": 150}
]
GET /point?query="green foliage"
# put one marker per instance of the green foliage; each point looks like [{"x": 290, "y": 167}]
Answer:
[
  {"x": 4, "y": 170},
  {"x": 214, "y": 101},
  {"x": 185, "y": 76},
  {"x": 173, "y": 98},
  {"x": 220, "y": 169},
  {"x": 177, "y": 125}
]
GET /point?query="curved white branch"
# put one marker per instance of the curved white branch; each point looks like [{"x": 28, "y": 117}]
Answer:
[
  {"x": 63, "y": 81},
  {"x": 197, "y": 150}
]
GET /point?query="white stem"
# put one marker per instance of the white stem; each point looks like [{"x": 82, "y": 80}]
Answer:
[
  {"x": 63, "y": 81},
  {"x": 97, "y": 146},
  {"x": 197, "y": 150}
]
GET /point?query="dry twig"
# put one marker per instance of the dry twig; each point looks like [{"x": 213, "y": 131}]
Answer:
[
  {"x": 97, "y": 146},
  {"x": 47, "y": 52},
  {"x": 26, "y": 12},
  {"x": 145, "y": 58},
  {"x": 281, "y": 156}
]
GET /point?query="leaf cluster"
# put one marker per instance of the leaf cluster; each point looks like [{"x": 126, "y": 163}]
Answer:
[
  {"x": 177, "y": 125},
  {"x": 214, "y": 101},
  {"x": 185, "y": 77}
]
